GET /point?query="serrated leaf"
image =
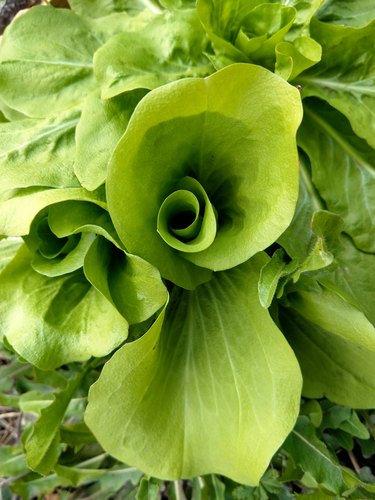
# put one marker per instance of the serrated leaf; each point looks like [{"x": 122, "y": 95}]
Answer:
[
  {"x": 42, "y": 445},
  {"x": 313, "y": 457},
  {"x": 345, "y": 76}
]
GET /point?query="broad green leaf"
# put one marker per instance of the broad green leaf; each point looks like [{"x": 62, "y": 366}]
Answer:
[
  {"x": 132, "y": 60},
  {"x": 100, "y": 8},
  {"x": 313, "y": 457},
  {"x": 46, "y": 61},
  {"x": 335, "y": 346},
  {"x": 52, "y": 321},
  {"x": 42, "y": 444},
  {"x": 131, "y": 284},
  {"x": 356, "y": 13},
  {"x": 345, "y": 77},
  {"x": 215, "y": 370},
  {"x": 38, "y": 152},
  {"x": 101, "y": 125},
  {"x": 342, "y": 166},
  {"x": 203, "y": 128},
  {"x": 15, "y": 220}
]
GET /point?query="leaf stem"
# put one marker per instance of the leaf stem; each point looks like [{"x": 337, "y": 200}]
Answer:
[
  {"x": 354, "y": 462},
  {"x": 180, "y": 495}
]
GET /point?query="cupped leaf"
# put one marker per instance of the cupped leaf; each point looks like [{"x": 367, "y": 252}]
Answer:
[
  {"x": 50, "y": 72},
  {"x": 205, "y": 129},
  {"x": 345, "y": 76},
  {"x": 132, "y": 60},
  {"x": 131, "y": 284},
  {"x": 342, "y": 166},
  {"x": 19, "y": 206},
  {"x": 262, "y": 29},
  {"x": 101, "y": 125},
  {"x": 274, "y": 34},
  {"x": 222, "y": 21},
  {"x": 216, "y": 370},
  {"x": 293, "y": 58},
  {"x": 61, "y": 235},
  {"x": 335, "y": 346},
  {"x": 53, "y": 321}
]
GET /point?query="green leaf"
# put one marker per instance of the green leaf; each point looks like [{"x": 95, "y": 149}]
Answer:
[
  {"x": 42, "y": 445},
  {"x": 313, "y": 410},
  {"x": 149, "y": 489},
  {"x": 273, "y": 34},
  {"x": 8, "y": 249},
  {"x": 204, "y": 128},
  {"x": 45, "y": 74},
  {"x": 62, "y": 234},
  {"x": 132, "y": 60},
  {"x": 215, "y": 370},
  {"x": 346, "y": 419},
  {"x": 345, "y": 77},
  {"x": 297, "y": 237},
  {"x": 353, "y": 276},
  {"x": 52, "y": 321},
  {"x": 131, "y": 284},
  {"x": 313, "y": 457},
  {"x": 101, "y": 125},
  {"x": 38, "y": 152},
  {"x": 356, "y": 13},
  {"x": 222, "y": 20},
  {"x": 35, "y": 401},
  {"x": 293, "y": 58},
  {"x": 335, "y": 346},
  {"x": 342, "y": 167},
  {"x": 100, "y": 8},
  {"x": 12, "y": 461}
]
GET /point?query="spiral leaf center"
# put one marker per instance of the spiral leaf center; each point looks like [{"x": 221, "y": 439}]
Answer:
[{"x": 186, "y": 219}]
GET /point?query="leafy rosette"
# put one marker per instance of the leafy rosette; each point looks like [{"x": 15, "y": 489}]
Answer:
[
  {"x": 72, "y": 291},
  {"x": 204, "y": 178},
  {"x": 273, "y": 34},
  {"x": 206, "y": 174}
]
